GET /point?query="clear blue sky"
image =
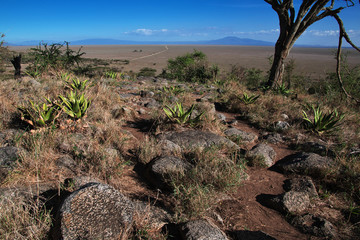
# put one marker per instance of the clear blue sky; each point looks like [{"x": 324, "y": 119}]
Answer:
[{"x": 23, "y": 20}]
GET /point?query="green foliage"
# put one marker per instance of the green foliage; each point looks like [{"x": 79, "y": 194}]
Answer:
[
  {"x": 322, "y": 122},
  {"x": 147, "y": 72},
  {"x": 3, "y": 53},
  {"x": 254, "y": 77},
  {"x": 75, "y": 105},
  {"x": 191, "y": 67},
  {"x": 40, "y": 115},
  {"x": 283, "y": 90},
  {"x": 173, "y": 90},
  {"x": 52, "y": 56},
  {"x": 76, "y": 84},
  {"x": 33, "y": 72},
  {"x": 246, "y": 99},
  {"x": 178, "y": 114},
  {"x": 112, "y": 75}
]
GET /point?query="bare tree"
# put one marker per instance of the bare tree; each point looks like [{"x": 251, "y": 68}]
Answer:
[{"x": 293, "y": 24}]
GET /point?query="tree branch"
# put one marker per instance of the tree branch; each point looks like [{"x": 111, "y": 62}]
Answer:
[{"x": 342, "y": 35}]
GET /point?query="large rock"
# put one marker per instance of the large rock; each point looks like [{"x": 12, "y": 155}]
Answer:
[
  {"x": 192, "y": 139},
  {"x": 310, "y": 164},
  {"x": 161, "y": 169},
  {"x": 201, "y": 230},
  {"x": 316, "y": 226},
  {"x": 264, "y": 152},
  {"x": 301, "y": 184},
  {"x": 8, "y": 157},
  {"x": 95, "y": 211},
  {"x": 289, "y": 202},
  {"x": 243, "y": 136}
]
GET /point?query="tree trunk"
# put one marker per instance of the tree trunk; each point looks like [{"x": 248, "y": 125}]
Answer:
[
  {"x": 277, "y": 68},
  {"x": 16, "y": 61}
]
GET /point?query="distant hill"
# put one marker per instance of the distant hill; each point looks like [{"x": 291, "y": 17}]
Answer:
[{"x": 100, "y": 41}]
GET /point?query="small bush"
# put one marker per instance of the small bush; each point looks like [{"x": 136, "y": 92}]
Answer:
[
  {"x": 147, "y": 72},
  {"x": 191, "y": 67},
  {"x": 47, "y": 57}
]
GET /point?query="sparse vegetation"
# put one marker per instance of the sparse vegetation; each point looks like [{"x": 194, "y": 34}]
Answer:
[{"x": 120, "y": 130}]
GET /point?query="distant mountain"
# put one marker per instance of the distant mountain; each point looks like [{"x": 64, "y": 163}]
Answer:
[
  {"x": 238, "y": 41},
  {"x": 100, "y": 41}
]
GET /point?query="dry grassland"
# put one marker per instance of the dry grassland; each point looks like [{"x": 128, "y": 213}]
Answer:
[{"x": 312, "y": 62}]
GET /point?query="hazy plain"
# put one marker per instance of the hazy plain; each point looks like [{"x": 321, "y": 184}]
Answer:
[{"x": 312, "y": 62}]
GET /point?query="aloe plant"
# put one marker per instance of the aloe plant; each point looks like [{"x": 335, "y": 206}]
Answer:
[
  {"x": 76, "y": 84},
  {"x": 248, "y": 99},
  {"x": 179, "y": 115},
  {"x": 39, "y": 115},
  {"x": 173, "y": 90},
  {"x": 112, "y": 75},
  {"x": 283, "y": 90},
  {"x": 75, "y": 105},
  {"x": 322, "y": 122}
]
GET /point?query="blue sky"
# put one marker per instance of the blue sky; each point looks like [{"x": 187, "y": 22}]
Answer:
[{"x": 170, "y": 20}]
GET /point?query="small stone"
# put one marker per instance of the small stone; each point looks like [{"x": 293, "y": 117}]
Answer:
[
  {"x": 201, "y": 230},
  {"x": 284, "y": 116},
  {"x": 264, "y": 151},
  {"x": 240, "y": 135},
  {"x": 282, "y": 125},
  {"x": 289, "y": 202}
]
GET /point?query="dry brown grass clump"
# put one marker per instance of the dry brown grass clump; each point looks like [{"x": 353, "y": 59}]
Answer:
[{"x": 23, "y": 219}]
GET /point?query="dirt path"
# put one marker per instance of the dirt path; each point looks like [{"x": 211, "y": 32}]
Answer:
[
  {"x": 151, "y": 55},
  {"x": 242, "y": 211}
]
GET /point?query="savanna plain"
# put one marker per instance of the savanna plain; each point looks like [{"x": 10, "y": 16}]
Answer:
[{"x": 178, "y": 142}]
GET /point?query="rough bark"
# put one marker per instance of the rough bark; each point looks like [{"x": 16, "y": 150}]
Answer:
[
  {"x": 292, "y": 26},
  {"x": 16, "y": 61}
]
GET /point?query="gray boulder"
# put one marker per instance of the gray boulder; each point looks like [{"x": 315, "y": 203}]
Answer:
[
  {"x": 201, "y": 230},
  {"x": 289, "y": 202},
  {"x": 95, "y": 211},
  {"x": 169, "y": 148},
  {"x": 316, "y": 226},
  {"x": 159, "y": 170},
  {"x": 273, "y": 138},
  {"x": 191, "y": 139},
  {"x": 301, "y": 184},
  {"x": 264, "y": 152},
  {"x": 310, "y": 164},
  {"x": 8, "y": 136},
  {"x": 317, "y": 148},
  {"x": 243, "y": 136},
  {"x": 8, "y": 157}
]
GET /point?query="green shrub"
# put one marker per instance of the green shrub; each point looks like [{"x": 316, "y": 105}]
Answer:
[
  {"x": 147, "y": 72},
  {"x": 52, "y": 56},
  {"x": 191, "y": 67}
]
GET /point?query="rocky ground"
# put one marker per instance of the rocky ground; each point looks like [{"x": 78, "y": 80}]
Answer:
[{"x": 277, "y": 199}]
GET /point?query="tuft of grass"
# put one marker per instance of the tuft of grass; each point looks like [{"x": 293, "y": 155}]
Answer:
[
  {"x": 23, "y": 219},
  {"x": 213, "y": 173}
]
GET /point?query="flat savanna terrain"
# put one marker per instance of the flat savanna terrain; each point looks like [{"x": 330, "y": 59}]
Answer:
[{"x": 312, "y": 62}]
